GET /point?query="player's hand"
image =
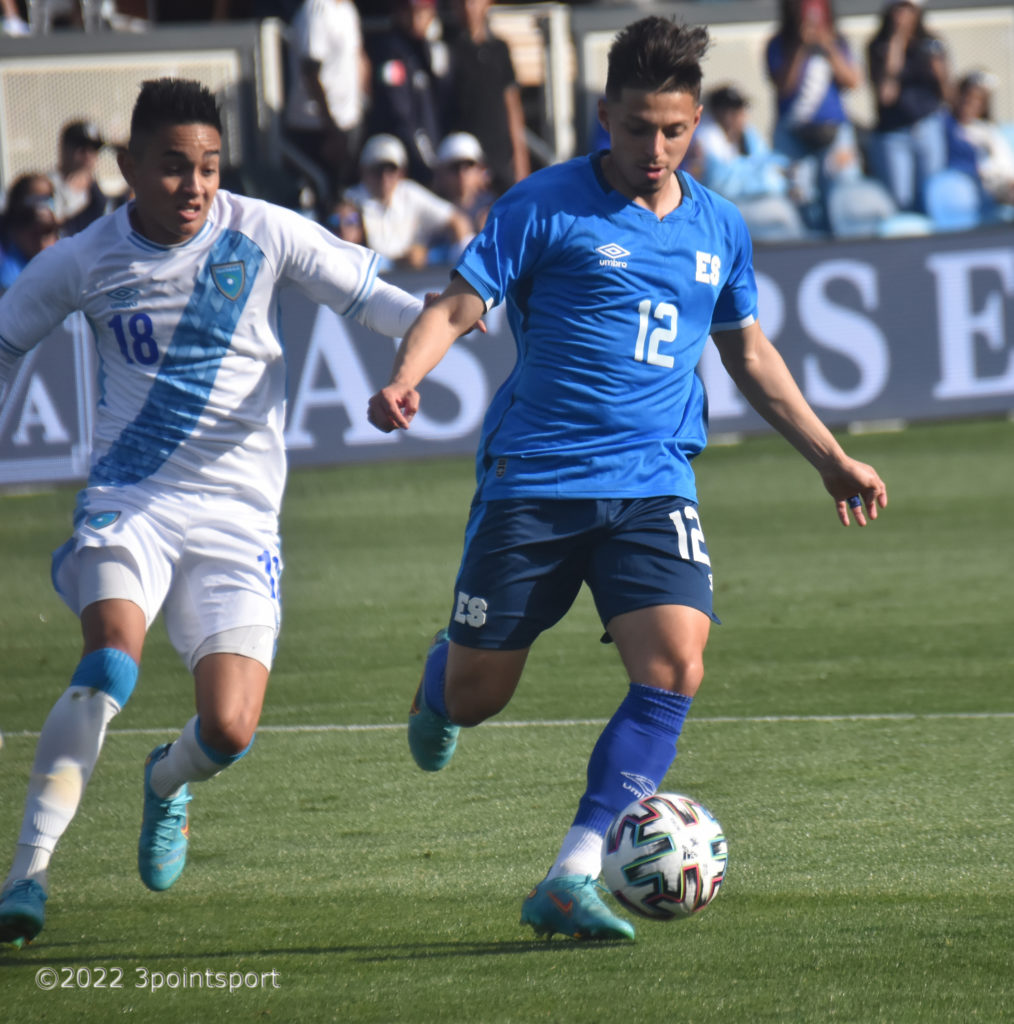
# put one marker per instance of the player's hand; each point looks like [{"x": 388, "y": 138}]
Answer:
[
  {"x": 856, "y": 489},
  {"x": 392, "y": 408}
]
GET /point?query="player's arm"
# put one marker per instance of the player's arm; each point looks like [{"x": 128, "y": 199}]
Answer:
[
  {"x": 760, "y": 373},
  {"x": 438, "y": 326},
  {"x": 40, "y": 297}
]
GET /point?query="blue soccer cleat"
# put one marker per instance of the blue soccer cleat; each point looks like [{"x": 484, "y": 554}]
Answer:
[
  {"x": 165, "y": 829},
  {"x": 22, "y": 912},
  {"x": 431, "y": 737},
  {"x": 571, "y": 905}
]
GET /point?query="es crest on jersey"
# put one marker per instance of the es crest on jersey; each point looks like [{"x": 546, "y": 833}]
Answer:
[{"x": 229, "y": 279}]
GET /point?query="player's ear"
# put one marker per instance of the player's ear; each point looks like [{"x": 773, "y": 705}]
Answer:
[
  {"x": 603, "y": 113},
  {"x": 125, "y": 161}
]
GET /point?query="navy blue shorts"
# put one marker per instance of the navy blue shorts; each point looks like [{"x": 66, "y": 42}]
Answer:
[{"x": 526, "y": 558}]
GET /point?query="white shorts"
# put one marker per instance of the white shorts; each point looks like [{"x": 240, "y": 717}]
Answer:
[{"x": 209, "y": 563}]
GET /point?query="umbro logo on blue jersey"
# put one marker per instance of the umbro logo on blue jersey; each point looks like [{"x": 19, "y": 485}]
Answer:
[
  {"x": 229, "y": 278},
  {"x": 613, "y": 253},
  {"x": 123, "y": 298},
  {"x": 102, "y": 519}
]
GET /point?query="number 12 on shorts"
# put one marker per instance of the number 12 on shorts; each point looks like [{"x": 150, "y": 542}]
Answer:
[{"x": 691, "y": 541}]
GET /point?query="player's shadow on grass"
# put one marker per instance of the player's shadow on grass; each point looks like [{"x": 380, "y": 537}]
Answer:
[{"x": 361, "y": 953}]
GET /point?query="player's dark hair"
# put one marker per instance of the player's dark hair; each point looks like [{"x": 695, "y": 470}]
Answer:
[
  {"x": 166, "y": 102},
  {"x": 657, "y": 55}
]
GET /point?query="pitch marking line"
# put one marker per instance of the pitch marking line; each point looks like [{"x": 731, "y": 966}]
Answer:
[{"x": 568, "y": 722}]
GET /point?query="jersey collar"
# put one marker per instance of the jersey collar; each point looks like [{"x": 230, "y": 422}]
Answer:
[
  {"x": 143, "y": 242},
  {"x": 681, "y": 176}
]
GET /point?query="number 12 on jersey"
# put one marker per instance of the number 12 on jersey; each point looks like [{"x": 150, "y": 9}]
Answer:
[{"x": 664, "y": 334}]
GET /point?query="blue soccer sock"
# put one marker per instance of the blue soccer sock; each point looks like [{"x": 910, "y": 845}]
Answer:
[
  {"x": 628, "y": 762},
  {"x": 434, "y": 673}
]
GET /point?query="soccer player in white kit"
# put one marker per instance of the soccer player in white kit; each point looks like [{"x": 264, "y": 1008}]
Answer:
[{"x": 180, "y": 513}]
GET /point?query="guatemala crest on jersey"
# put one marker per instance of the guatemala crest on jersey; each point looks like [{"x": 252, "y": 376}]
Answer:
[
  {"x": 229, "y": 278},
  {"x": 101, "y": 520}
]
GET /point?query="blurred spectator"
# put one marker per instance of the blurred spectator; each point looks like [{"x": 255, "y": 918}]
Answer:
[
  {"x": 738, "y": 163},
  {"x": 346, "y": 221},
  {"x": 908, "y": 69},
  {"x": 401, "y": 219},
  {"x": 811, "y": 66},
  {"x": 410, "y": 83},
  {"x": 328, "y": 78},
  {"x": 13, "y": 22},
  {"x": 79, "y": 198},
  {"x": 487, "y": 98},
  {"x": 28, "y": 225},
  {"x": 462, "y": 177},
  {"x": 975, "y": 144}
]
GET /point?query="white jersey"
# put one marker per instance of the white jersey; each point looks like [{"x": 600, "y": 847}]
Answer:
[
  {"x": 327, "y": 32},
  {"x": 191, "y": 368}
]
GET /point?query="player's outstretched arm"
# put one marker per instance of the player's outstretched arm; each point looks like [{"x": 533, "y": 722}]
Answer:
[
  {"x": 442, "y": 321},
  {"x": 761, "y": 375}
]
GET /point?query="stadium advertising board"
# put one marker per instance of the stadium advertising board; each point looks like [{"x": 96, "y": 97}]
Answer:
[{"x": 900, "y": 329}]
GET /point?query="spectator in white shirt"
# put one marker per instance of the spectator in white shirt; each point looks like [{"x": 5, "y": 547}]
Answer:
[{"x": 401, "y": 218}]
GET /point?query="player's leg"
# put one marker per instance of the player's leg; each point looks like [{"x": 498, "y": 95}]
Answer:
[
  {"x": 651, "y": 580},
  {"x": 460, "y": 686},
  {"x": 70, "y": 742},
  {"x": 222, "y": 615},
  {"x": 664, "y": 646},
  {"x": 520, "y": 571}
]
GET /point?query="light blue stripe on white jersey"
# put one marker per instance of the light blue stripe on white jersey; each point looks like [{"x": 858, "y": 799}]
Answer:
[
  {"x": 180, "y": 391},
  {"x": 366, "y": 288}
]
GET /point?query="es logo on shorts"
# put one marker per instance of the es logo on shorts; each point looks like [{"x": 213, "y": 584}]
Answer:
[
  {"x": 470, "y": 611},
  {"x": 101, "y": 520}
]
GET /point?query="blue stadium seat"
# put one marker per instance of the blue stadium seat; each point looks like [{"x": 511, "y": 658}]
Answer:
[
  {"x": 953, "y": 200},
  {"x": 905, "y": 225},
  {"x": 856, "y": 208}
]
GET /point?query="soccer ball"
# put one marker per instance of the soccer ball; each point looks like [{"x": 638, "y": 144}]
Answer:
[{"x": 664, "y": 856}]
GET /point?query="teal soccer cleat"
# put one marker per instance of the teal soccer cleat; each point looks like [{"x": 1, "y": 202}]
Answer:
[
  {"x": 165, "y": 829},
  {"x": 571, "y": 905},
  {"x": 431, "y": 737},
  {"x": 22, "y": 912}
]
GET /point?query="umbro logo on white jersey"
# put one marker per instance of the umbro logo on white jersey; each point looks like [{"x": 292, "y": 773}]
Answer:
[
  {"x": 614, "y": 254},
  {"x": 123, "y": 298}
]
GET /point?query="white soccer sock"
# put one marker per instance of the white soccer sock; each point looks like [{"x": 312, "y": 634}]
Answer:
[
  {"x": 65, "y": 757},
  {"x": 185, "y": 761},
  {"x": 580, "y": 854}
]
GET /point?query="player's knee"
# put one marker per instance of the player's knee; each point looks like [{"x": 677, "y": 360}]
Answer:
[
  {"x": 479, "y": 684},
  {"x": 677, "y": 674},
  {"x": 688, "y": 674},
  {"x": 470, "y": 705},
  {"x": 226, "y": 739}
]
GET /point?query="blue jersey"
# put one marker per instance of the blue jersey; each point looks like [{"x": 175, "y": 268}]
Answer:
[{"x": 610, "y": 308}]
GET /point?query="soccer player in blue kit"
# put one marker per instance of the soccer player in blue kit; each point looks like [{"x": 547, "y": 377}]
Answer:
[
  {"x": 180, "y": 515},
  {"x": 615, "y": 268}
]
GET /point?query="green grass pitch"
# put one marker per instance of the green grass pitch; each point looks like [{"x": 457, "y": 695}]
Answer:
[{"x": 853, "y": 734}]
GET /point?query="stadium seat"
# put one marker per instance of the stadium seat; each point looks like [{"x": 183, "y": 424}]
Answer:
[
  {"x": 772, "y": 219},
  {"x": 857, "y": 208},
  {"x": 905, "y": 225},
  {"x": 953, "y": 201}
]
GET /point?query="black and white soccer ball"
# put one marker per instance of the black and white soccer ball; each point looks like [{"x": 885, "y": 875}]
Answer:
[{"x": 664, "y": 856}]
